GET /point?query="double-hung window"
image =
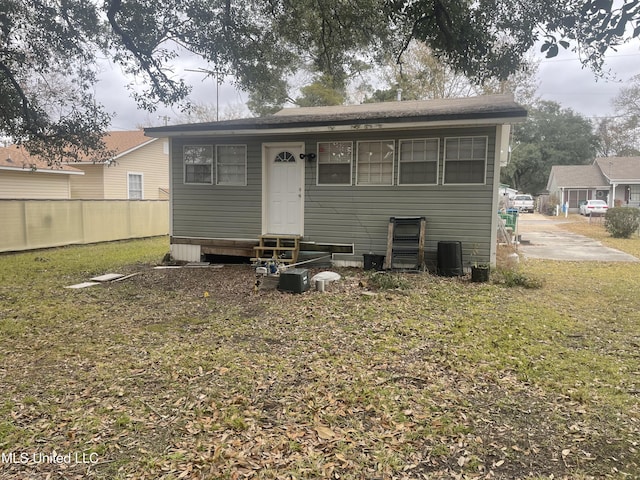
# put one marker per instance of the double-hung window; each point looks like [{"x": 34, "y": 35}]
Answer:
[
  {"x": 334, "y": 163},
  {"x": 418, "y": 161},
  {"x": 465, "y": 160},
  {"x": 375, "y": 162},
  {"x": 198, "y": 164},
  {"x": 231, "y": 164},
  {"x": 134, "y": 186}
]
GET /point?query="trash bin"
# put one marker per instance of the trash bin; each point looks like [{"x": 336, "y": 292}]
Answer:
[
  {"x": 450, "y": 259},
  {"x": 510, "y": 219},
  {"x": 373, "y": 262}
]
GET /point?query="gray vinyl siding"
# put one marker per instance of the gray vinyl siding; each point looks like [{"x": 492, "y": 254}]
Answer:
[
  {"x": 352, "y": 214},
  {"x": 360, "y": 214},
  {"x": 217, "y": 211}
]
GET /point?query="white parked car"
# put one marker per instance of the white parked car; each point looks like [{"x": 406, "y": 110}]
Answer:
[{"x": 598, "y": 207}]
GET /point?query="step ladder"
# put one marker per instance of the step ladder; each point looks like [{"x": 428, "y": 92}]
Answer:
[
  {"x": 405, "y": 242},
  {"x": 283, "y": 248}
]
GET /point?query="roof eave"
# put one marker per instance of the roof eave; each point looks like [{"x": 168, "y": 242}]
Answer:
[
  {"x": 333, "y": 126},
  {"x": 42, "y": 170},
  {"x": 624, "y": 180}
]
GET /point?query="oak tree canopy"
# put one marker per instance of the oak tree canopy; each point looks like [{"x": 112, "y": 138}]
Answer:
[{"x": 49, "y": 49}]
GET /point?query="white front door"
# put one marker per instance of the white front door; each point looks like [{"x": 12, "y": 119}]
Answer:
[{"x": 283, "y": 189}]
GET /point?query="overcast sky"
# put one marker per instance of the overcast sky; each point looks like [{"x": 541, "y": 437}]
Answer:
[{"x": 561, "y": 79}]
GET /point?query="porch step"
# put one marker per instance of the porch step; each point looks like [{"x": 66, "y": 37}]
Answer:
[{"x": 277, "y": 247}]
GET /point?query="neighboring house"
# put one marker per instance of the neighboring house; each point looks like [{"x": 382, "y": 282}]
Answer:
[
  {"x": 507, "y": 191},
  {"x": 25, "y": 177},
  {"x": 335, "y": 175},
  {"x": 623, "y": 175},
  {"x": 139, "y": 170},
  {"x": 613, "y": 179}
]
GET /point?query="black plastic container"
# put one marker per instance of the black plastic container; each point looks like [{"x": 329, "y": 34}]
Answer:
[
  {"x": 450, "y": 259},
  {"x": 373, "y": 262}
]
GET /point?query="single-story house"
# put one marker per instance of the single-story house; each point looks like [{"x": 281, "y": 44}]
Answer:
[
  {"x": 23, "y": 176},
  {"x": 623, "y": 175},
  {"x": 577, "y": 183},
  {"x": 138, "y": 170},
  {"x": 334, "y": 176},
  {"x": 613, "y": 179}
]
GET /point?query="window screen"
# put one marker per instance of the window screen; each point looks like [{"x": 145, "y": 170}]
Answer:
[
  {"x": 198, "y": 164},
  {"x": 375, "y": 163},
  {"x": 231, "y": 164},
  {"x": 334, "y": 163},
  {"x": 418, "y": 161},
  {"x": 465, "y": 160}
]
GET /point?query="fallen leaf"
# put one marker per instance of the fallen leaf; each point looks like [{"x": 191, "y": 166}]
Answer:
[
  {"x": 341, "y": 457},
  {"x": 324, "y": 432}
]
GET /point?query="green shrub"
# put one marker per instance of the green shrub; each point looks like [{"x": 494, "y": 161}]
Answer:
[{"x": 622, "y": 222}]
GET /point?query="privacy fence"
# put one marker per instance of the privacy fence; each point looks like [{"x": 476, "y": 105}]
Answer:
[{"x": 31, "y": 224}]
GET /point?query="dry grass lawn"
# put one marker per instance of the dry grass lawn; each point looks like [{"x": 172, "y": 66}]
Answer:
[{"x": 190, "y": 373}]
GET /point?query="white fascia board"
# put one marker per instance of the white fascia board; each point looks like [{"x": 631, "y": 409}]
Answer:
[
  {"x": 622, "y": 181},
  {"x": 41, "y": 170},
  {"x": 346, "y": 128}
]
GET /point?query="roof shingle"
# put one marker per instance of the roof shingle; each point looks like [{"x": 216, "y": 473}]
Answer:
[
  {"x": 119, "y": 142},
  {"x": 577, "y": 176},
  {"x": 620, "y": 169},
  {"x": 488, "y": 107},
  {"x": 16, "y": 157}
]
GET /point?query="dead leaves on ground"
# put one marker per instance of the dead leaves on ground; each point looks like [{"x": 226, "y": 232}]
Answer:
[{"x": 163, "y": 381}]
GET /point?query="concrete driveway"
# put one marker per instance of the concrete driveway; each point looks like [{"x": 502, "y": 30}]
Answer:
[{"x": 542, "y": 238}]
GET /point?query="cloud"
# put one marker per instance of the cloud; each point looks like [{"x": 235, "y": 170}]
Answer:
[
  {"x": 565, "y": 81},
  {"x": 561, "y": 79},
  {"x": 112, "y": 91}
]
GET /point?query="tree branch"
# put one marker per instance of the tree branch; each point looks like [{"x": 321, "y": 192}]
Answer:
[
  {"x": 145, "y": 59},
  {"x": 31, "y": 122}
]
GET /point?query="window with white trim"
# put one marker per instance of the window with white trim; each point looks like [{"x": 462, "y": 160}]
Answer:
[
  {"x": 198, "y": 164},
  {"x": 634, "y": 194},
  {"x": 134, "y": 186},
  {"x": 465, "y": 160},
  {"x": 231, "y": 164},
  {"x": 334, "y": 163},
  {"x": 418, "y": 161},
  {"x": 374, "y": 164}
]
